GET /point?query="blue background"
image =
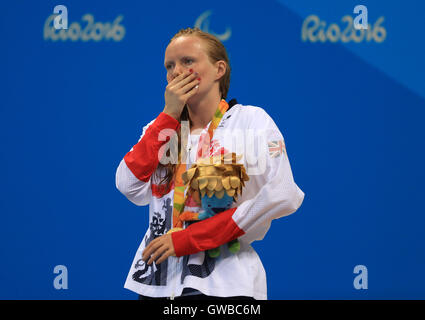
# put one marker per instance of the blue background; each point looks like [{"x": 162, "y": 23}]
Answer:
[{"x": 351, "y": 113}]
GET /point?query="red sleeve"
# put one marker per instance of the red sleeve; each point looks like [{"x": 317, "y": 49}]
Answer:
[
  {"x": 206, "y": 234},
  {"x": 142, "y": 160}
]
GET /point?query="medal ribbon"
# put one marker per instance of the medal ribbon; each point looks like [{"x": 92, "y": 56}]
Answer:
[{"x": 203, "y": 151}]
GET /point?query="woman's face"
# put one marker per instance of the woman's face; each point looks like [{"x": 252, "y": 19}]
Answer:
[{"x": 188, "y": 52}]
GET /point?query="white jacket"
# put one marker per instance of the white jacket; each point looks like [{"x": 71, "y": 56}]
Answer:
[{"x": 270, "y": 193}]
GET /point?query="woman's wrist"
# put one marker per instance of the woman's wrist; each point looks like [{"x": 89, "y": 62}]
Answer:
[{"x": 171, "y": 114}]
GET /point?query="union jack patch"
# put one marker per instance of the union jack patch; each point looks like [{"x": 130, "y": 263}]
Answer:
[{"x": 276, "y": 148}]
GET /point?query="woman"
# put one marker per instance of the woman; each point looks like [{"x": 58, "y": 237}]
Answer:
[{"x": 174, "y": 264}]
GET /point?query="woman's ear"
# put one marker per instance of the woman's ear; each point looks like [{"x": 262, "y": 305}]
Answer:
[{"x": 221, "y": 68}]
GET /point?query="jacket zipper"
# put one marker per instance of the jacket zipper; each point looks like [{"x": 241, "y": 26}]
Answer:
[{"x": 175, "y": 281}]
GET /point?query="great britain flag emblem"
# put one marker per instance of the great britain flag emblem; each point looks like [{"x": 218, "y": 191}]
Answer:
[{"x": 276, "y": 148}]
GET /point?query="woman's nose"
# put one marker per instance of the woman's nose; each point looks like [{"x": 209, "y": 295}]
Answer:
[
  {"x": 176, "y": 74},
  {"x": 178, "y": 70}
]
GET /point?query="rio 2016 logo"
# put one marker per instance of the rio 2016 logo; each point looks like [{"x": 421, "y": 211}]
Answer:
[
  {"x": 89, "y": 30},
  {"x": 314, "y": 30}
]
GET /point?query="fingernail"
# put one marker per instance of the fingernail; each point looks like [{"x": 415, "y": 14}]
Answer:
[
  {"x": 191, "y": 70},
  {"x": 199, "y": 79}
]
